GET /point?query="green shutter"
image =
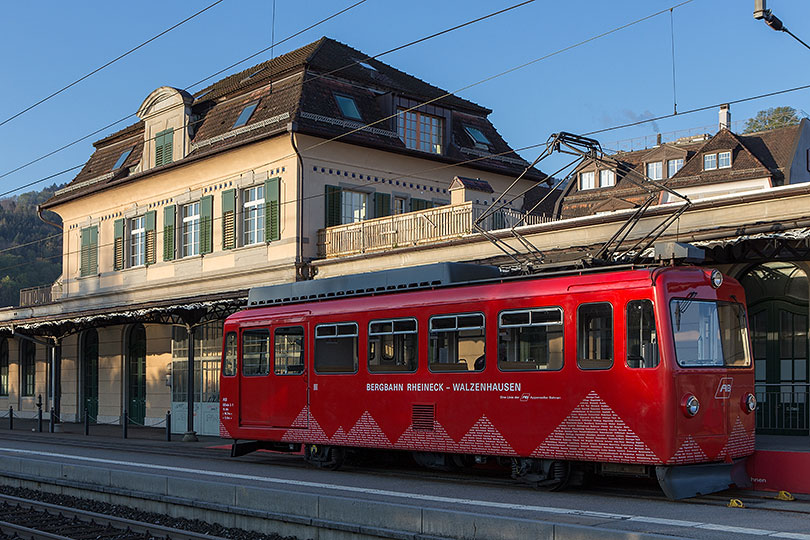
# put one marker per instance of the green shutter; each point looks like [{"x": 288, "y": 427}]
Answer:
[
  {"x": 382, "y": 204},
  {"x": 168, "y": 233},
  {"x": 118, "y": 244},
  {"x": 89, "y": 255},
  {"x": 151, "y": 256},
  {"x": 207, "y": 224},
  {"x": 164, "y": 142},
  {"x": 229, "y": 219},
  {"x": 272, "y": 209},
  {"x": 332, "y": 204},
  {"x": 420, "y": 204}
]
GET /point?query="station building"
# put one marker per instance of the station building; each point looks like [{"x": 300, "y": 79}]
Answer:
[{"x": 245, "y": 183}]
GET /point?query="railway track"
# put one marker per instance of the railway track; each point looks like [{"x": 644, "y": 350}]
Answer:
[{"x": 34, "y": 520}]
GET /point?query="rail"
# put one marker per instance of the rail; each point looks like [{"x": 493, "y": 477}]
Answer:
[
  {"x": 44, "y": 294},
  {"x": 429, "y": 226},
  {"x": 783, "y": 408}
]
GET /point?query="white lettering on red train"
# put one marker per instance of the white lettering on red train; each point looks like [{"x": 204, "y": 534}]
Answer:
[
  {"x": 724, "y": 388},
  {"x": 486, "y": 387}
]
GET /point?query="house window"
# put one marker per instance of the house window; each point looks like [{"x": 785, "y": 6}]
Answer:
[
  {"x": 420, "y": 131},
  {"x": 655, "y": 170},
  {"x": 709, "y": 162},
  {"x": 477, "y": 135},
  {"x": 191, "y": 229},
  {"x": 673, "y": 166},
  {"x": 253, "y": 215},
  {"x": 354, "y": 207},
  {"x": 28, "y": 368},
  {"x": 163, "y": 147},
  {"x": 3, "y": 367},
  {"x": 607, "y": 178},
  {"x": 400, "y": 203},
  {"x": 586, "y": 180},
  {"x": 137, "y": 241},
  {"x": 245, "y": 115},
  {"x": 724, "y": 160},
  {"x": 122, "y": 158},
  {"x": 348, "y": 107}
]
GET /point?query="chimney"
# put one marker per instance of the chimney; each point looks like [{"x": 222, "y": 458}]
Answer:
[{"x": 725, "y": 116}]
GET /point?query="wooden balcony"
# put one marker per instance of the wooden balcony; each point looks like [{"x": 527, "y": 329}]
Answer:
[
  {"x": 416, "y": 228},
  {"x": 35, "y": 296}
]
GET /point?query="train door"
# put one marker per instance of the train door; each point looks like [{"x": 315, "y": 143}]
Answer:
[{"x": 274, "y": 378}]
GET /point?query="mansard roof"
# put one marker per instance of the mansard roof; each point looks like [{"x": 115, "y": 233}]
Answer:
[{"x": 296, "y": 92}]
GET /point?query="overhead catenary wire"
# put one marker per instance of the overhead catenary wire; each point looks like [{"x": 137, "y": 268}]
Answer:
[{"x": 111, "y": 62}]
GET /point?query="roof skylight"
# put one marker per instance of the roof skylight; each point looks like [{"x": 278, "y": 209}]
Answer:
[
  {"x": 477, "y": 135},
  {"x": 245, "y": 115},
  {"x": 365, "y": 64},
  {"x": 348, "y": 108},
  {"x": 122, "y": 158}
]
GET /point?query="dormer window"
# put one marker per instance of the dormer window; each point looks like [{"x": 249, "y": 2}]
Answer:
[
  {"x": 122, "y": 158},
  {"x": 607, "y": 178},
  {"x": 348, "y": 107},
  {"x": 164, "y": 142},
  {"x": 655, "y": 170},
  {"x": 420, "y": 131},
  {"x": 245, "y": 115},
  {"x": 673, "y": 166},
  {"x": 587, "y": 180},
  {"x": 477, "y": 136},
  {"x": 723, "y": 160},
  {"x": 709, "y": 162}
]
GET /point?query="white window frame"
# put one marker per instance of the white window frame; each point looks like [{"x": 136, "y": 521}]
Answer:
[
  {"x": 607, "y": 178},
  {"x": 678, "y": 166},
  {"x": 399, "y": 205},
  {"x": 587, "y": 180},
  {"x": 655, "y": 170},
  {"x": 354, "y": 206},
  {"x": 720, "y": 156},
  {"x": 190, "y": 229},
  {"x": 709, "y": 162},
  {"x": 137, "y": 241},
  {"x": 253, "y": 200}
]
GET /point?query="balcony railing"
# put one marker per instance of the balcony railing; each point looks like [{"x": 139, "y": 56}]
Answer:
[
  {"x": 782, "y": 408},
  {"x": 415, "y": 228},
  {"x": 35, "y": 296}
]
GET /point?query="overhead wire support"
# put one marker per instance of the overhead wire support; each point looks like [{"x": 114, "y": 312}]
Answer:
[{"x": 111, "y": 62}]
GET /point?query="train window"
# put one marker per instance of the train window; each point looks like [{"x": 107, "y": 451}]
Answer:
[
  {"x": 229, "y": 355},
  {"x": 531, "y": 339},
  {"x": 457, "y": 342},
  {"x": 392, "y": 345},
  {"x": 255, "y": 352},
  {"x": 709, "y": 334},
  {"x": 642, "y": 340},
  {"x": 289, "y": 350},
  {"x": 336, "y": 348},
  {"x": 595, "y": 336}
]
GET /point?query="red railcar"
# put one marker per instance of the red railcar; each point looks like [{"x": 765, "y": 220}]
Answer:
[{"x": 635, "y": 371}]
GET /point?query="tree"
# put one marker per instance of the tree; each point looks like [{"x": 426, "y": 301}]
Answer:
[{"x": 772, "y": 118}]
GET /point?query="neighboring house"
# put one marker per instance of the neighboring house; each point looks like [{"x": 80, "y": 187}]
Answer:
[
  {"x": 696, "y": 167},
  {"x": 173, "y": 218}
]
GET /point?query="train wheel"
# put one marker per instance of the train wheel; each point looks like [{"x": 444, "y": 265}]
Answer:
[
  {"x": 559, "y": 476},
  {"x": 324, "y": 456},
  {"x": 545, "y": 474}
]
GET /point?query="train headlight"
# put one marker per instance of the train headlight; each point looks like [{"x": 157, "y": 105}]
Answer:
[
  {"x": 716, "y": 278},
  {"x": 749, "y": 403},
  {"x": 690, "y": 405}
]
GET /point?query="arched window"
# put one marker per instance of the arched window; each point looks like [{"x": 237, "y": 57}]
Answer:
[
  {"x": 28, "y": 368},
  {"x": 3, "y": 367}
]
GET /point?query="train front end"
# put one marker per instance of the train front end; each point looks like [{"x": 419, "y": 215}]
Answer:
[{"x": 712, "y": 402}]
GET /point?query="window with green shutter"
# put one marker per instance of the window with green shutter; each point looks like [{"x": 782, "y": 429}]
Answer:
[
  {"x": 207, "y": 224},
  {"x": 382, "y": 204},
  {"x": 118, "y": 244},
  {"x": 332, "y": 205},
  {"x": 229, "y": 219},
  {"x": 272, "y": 209},
  {"x": 164, "y": 143},
  {"x": 168, "y": 232},
  {"x": 89, "y": 253},
  {"x": 420, "y": 204}
]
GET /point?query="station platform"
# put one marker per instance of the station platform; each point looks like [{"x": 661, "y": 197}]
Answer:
[{"x": 780, "y": 463}]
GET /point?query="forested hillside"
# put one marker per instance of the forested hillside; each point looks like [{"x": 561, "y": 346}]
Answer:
[{"x": 30, "y": 249}]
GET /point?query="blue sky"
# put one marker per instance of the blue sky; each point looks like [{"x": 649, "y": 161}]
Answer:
[{"x": 721, "y": 54}]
